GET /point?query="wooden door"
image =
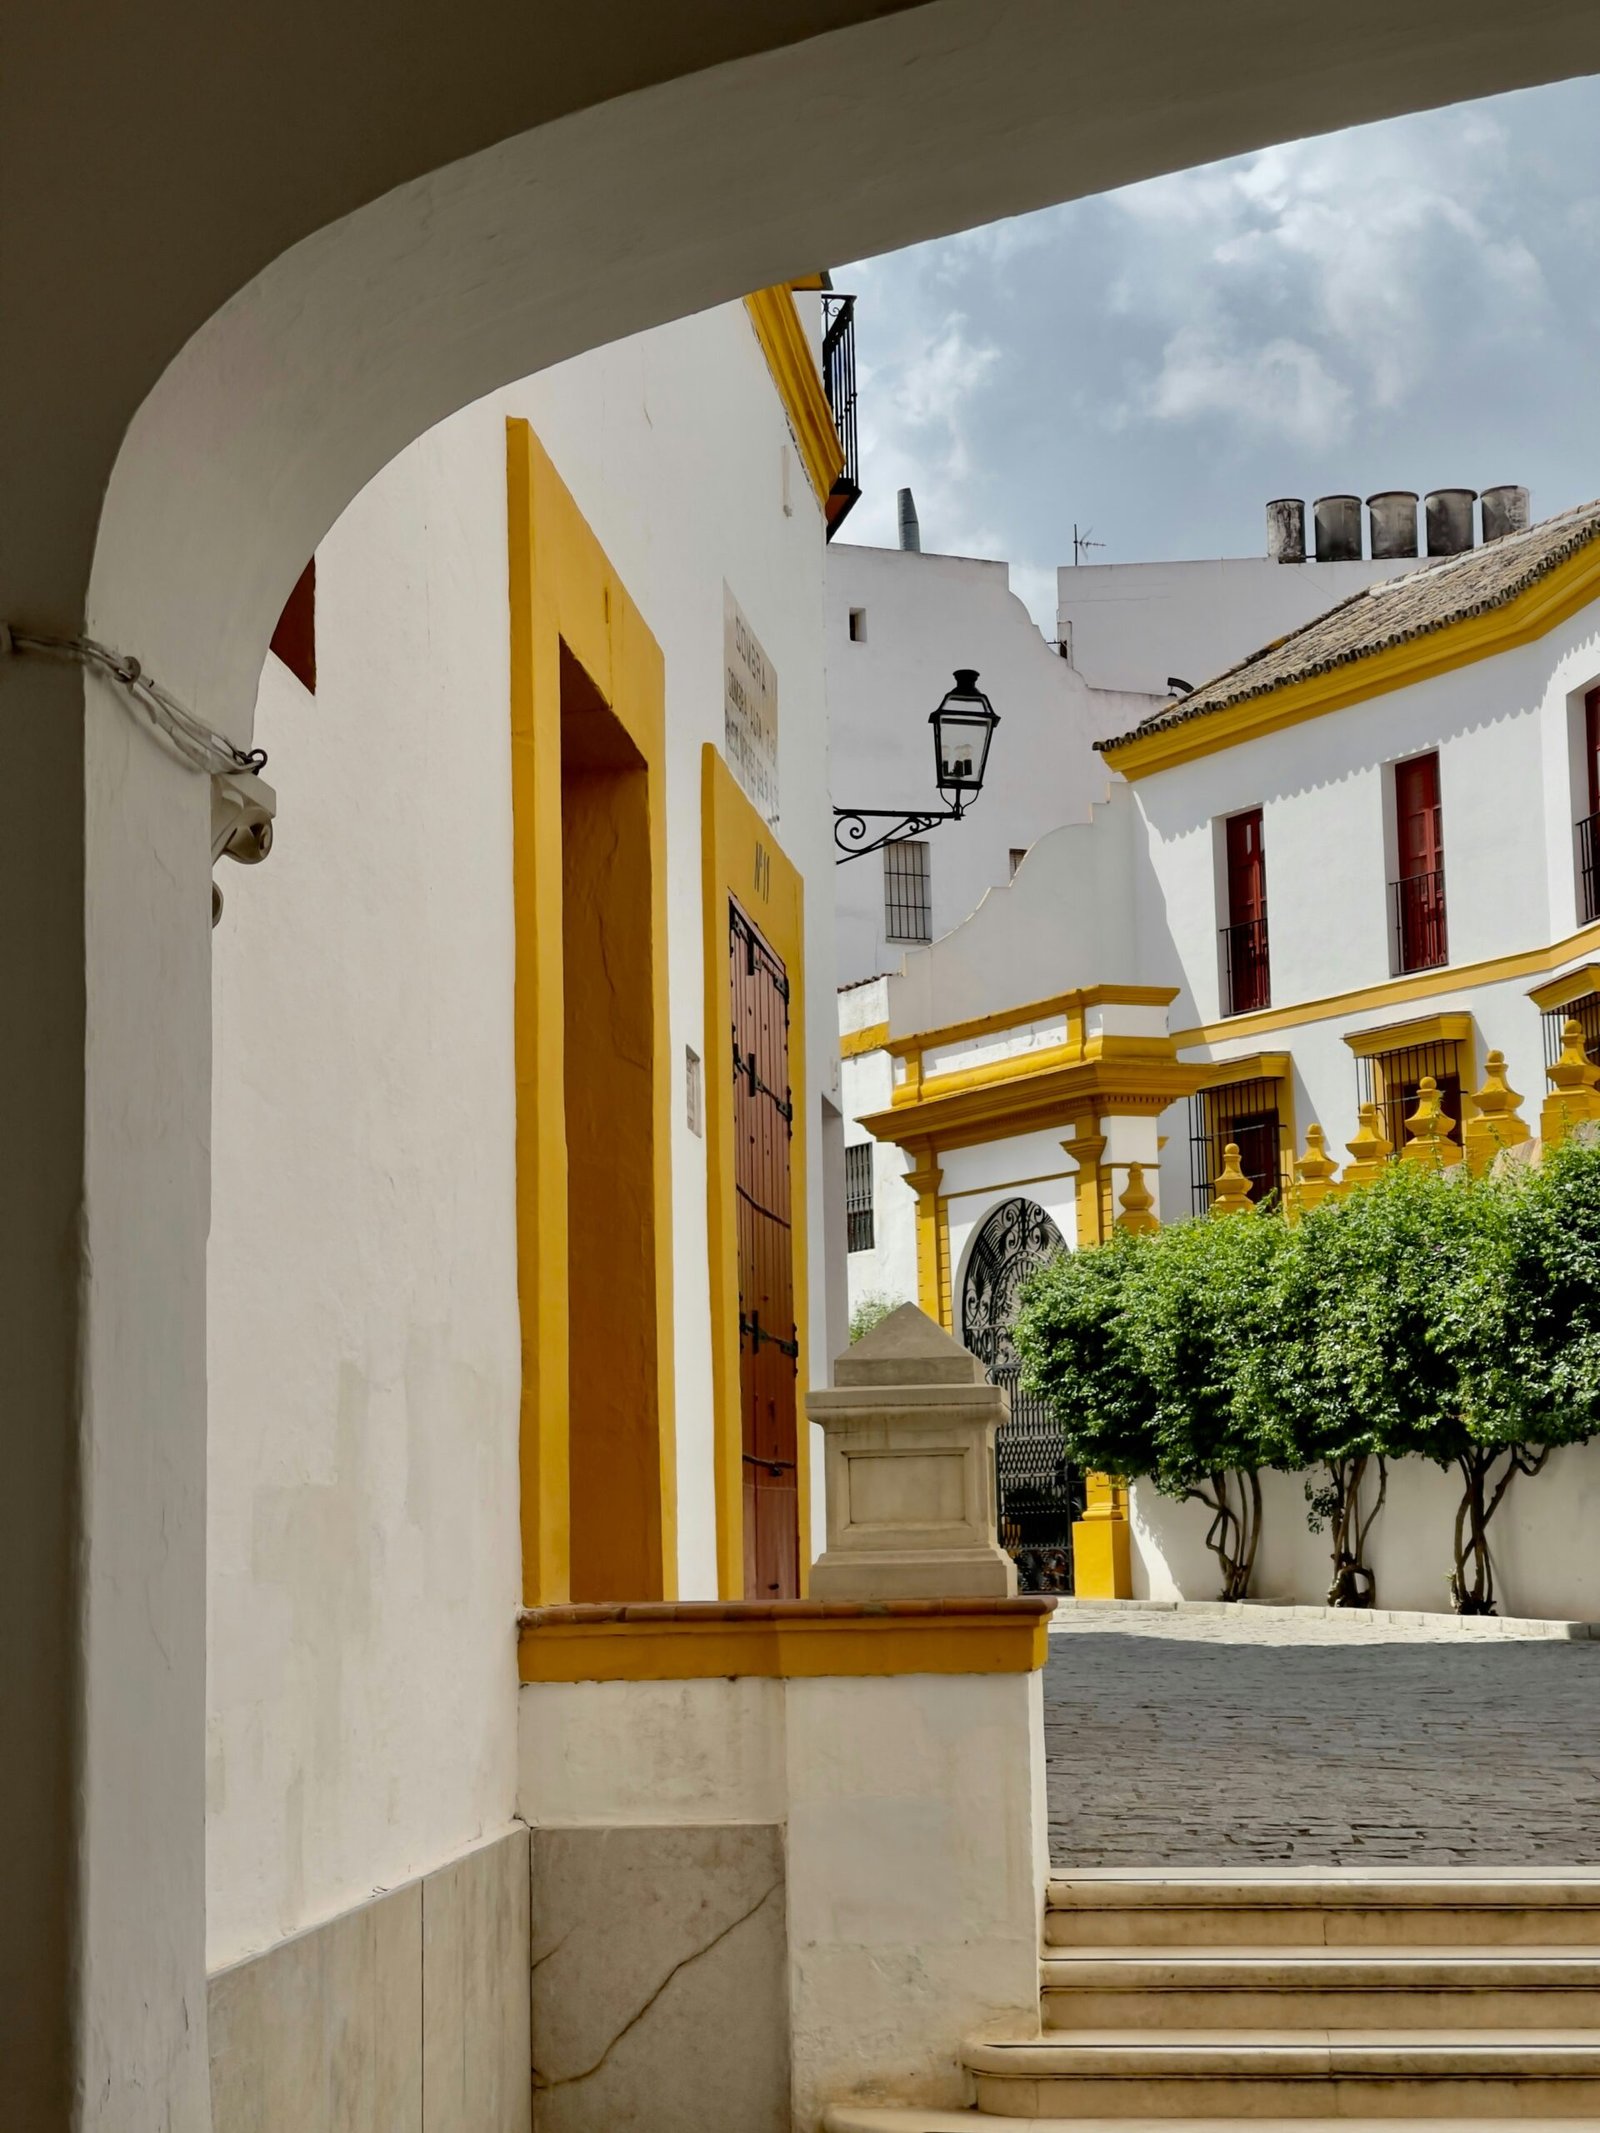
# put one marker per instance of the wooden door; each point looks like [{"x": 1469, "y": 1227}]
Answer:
[
  {"x": 1249, "y": 987},
  {"x": 769, "y": 1347}
]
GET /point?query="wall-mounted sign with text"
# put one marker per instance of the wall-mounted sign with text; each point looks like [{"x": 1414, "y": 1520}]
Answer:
[{"x": 750, "y": 691}]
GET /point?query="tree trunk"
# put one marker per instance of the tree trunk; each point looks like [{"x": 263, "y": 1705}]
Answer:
[
  {"x": 1472, "y": 1580},
  {"x": 1234, "y": 1500},
  {"x": 1353, "y": 1582}
]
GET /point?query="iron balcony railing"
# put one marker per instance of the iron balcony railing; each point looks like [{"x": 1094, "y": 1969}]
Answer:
[
  {"x": 1420, "y": 940},
  {"x": 839, "y": 382},
  {"x": 1587, "y": 833},
  {"x": 1247, "y": 974}
]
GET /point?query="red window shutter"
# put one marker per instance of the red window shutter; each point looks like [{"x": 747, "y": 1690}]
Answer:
[
  {"x": 295, "y": 638},
  {"x": 1421, "y": 830},
  {"x": 1247, "y": 869},
  {"x": 1591, "y": 747}
]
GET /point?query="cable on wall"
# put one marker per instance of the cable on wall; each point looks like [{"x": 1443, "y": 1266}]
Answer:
[{"x": 196, "y": 744}]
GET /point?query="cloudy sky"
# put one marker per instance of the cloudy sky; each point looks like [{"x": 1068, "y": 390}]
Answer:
[{"x": 1411, "y": 305}]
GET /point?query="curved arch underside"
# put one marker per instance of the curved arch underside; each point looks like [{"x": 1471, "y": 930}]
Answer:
[{"x": 255, "y": 269}]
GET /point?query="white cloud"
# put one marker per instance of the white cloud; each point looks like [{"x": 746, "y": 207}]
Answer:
[{"x": 1283, "y": 387}]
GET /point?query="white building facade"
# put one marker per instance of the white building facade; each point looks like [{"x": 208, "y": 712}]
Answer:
[{"x": 1362, "y": 857}]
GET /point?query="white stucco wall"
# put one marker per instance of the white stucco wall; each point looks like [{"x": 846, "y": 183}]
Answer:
[
  {"x": 364, "y": 1363},
  {"x": 1541, "y": 1540},
  {"x": 1135, "y": 625},
  {"x": 915, "y": 1840},
  {"x": 924, "y": 616}
]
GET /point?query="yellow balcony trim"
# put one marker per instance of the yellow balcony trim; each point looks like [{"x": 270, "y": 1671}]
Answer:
[
  {"x": 1045, "y": 1099},
  {"x": 1395, "y": 992},
  {"x": 871, "y": 1039},
  {"x": 794, "y": 371},
  {"x": 1534, "y": 611},
  {"x": 796, "y": 1640},
  {"x": 1056, "y": 1003},
  {"x": 1571, "y": 985},
  {"x": 1448, "y": 1028}
]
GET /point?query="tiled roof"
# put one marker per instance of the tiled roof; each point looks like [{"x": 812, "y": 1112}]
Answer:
[{"x": 1430, "y": 598}]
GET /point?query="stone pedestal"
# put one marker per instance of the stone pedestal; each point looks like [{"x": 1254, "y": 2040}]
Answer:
[
  {"x": 1102, "y": 1566},
  {"x": 910, "y": 1469}
]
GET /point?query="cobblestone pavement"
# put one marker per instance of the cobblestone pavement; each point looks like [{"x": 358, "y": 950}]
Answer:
[{"x": 1240, "y": 1740}]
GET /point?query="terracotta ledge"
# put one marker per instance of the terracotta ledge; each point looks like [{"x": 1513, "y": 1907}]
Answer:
[{"x": 700, "y": 1640}]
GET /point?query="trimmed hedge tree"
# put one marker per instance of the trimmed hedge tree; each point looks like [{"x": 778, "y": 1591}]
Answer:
[{"x": 1429, "y": 1314}]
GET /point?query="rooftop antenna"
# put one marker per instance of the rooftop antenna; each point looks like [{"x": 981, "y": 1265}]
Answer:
[{"x": 1081, "y": 543}]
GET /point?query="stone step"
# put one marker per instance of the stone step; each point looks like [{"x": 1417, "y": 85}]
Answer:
[
  {"x": 1322, "y": 1910},
  {"x": 1320, "y": 1988},
  {"x": 899, "y": 2118},
  {"x": 1276, "y": 2073}
]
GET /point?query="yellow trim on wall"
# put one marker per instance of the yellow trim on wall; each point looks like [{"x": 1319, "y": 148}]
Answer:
[
  {"x": 1069, "y": 1004},
  {"x": 1034, "y": 1101},
  {"x": 1534, "y": 611},
  {"x": 1571, "y": 985},
  {"x": 1248, "y": 1066},
  {"x": 563, "y": 591},
  {"x": 1449, "y": 1028},
  {"x": 794, "y": 370},
  {"x": 787, "y": 1648},
  {"x": 741, "y": 860},
  {"x": 1395, "y": 992},
  {"x": 871, "y": 1039}
]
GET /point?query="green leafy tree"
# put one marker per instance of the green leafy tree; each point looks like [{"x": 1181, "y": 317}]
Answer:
[
  {"x": 1533, "y": 1379},
  {"x": 1151, "y": 1351},
  {"x": 871, "y": 1311}
]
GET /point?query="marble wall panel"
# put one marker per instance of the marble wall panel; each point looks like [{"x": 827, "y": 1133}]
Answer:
[
  {"x": 475, "y": 1954},
  {"x": 660, "y": 1980}
]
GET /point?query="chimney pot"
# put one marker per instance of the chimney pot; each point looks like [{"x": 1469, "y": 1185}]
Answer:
[
  {"x": 1449, "y": 514},
  {"x": 1505, "y": 510},
  {"x": 1338, "y": 524},
  {"x": 1286, "y": 529},
  {"x": 1393, "y": 514},
  {"x": 910, "y": 530}
]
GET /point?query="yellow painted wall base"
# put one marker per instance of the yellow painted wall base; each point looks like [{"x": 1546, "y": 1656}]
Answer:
[{"x": 1102, "y": 1563}]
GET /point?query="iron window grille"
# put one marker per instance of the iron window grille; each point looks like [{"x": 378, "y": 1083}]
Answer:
[
  {"x": 859, "y": 1236},
  {"x": 1247, "y": 971},
  {"x": 1245, "y": 1112},
  {"x": 839, "y": 383},
  {"x": 1393, "y": 1080},
  {"x": 1417, "y": 905},
  {"x": 1587, "y": 833},
  {"x": 907, "y": 907},
  {"x": 1586, "y": 1013}
]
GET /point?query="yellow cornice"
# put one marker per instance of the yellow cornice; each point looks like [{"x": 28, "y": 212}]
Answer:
[
  {"x": 799, "y": 382},
  {"x": 1538, "y": 608},
  {"x": 1033, "y": 1098},
  {"x": 1056, "y": 1003},
  {"x": 871, "y": 1039},
  {"x": 1454, "y": 977},
  {"x": 1448, "y": 1028},
  {"x": 794, "y": 1643},
  {"x": 1249, "y": 1066},
  {"x": 1571, "y": 985}
]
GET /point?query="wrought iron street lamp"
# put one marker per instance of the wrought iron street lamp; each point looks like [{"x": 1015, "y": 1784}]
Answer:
[{"x": 963, "y": 726}]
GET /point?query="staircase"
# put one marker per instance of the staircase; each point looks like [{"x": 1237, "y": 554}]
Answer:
[{"x": 1305, "y": 1997}]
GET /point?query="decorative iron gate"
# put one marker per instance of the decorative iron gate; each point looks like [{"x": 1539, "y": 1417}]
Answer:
[{"x": 1040, "y": 1493}]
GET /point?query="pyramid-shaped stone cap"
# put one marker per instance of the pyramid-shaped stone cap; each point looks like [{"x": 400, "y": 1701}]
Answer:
[{"x": 907, "y": 1348}]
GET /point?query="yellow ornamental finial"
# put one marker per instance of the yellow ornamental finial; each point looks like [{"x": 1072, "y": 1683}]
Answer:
[
  {"x": 1137, "y": 1204},
  {"x": 1573, "y": 1099},
  {"x": 1499, "y": 1123},
  {"x": 1315, "y": 1171},
  {"x": 1428, "y": 1129},
  {"x": 1369, "y": 1150},
  {"x": 1230, "y": 1195}
]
